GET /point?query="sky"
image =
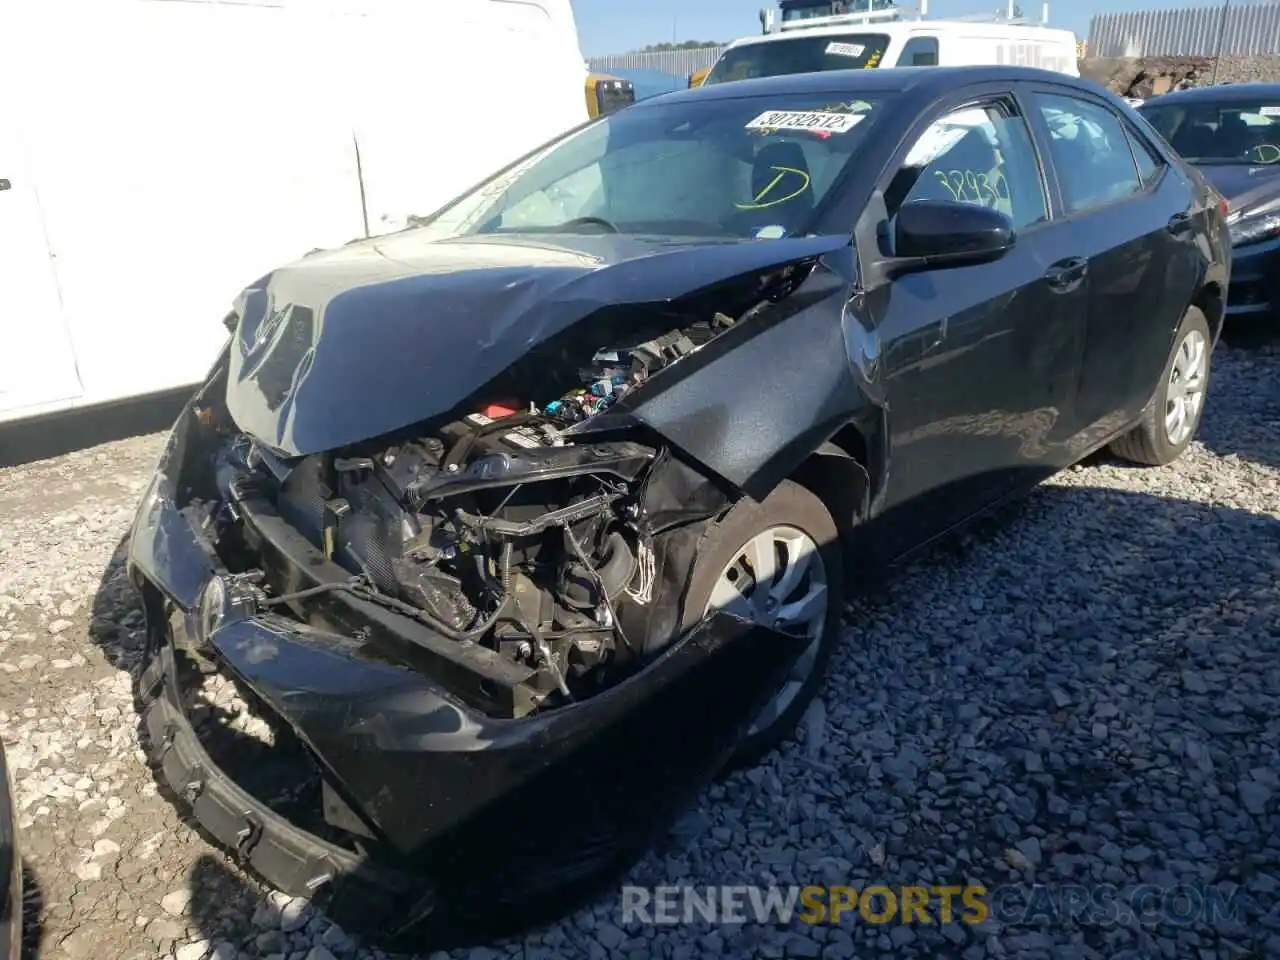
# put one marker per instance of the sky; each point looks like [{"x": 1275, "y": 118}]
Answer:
[{"x": 608, "y": 26}]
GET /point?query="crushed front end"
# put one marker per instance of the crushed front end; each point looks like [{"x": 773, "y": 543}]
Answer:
[{"x": 460, "y": 690}]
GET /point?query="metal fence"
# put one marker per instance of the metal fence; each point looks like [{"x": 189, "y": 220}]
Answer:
[
  {"x": 1249, "y": 28},
  {"x": 678, "y": 63}
]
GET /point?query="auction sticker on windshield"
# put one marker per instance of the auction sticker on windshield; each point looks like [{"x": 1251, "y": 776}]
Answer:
[
  {"x": 812, "y": 122},
  {"x": 835, "y": 48}
]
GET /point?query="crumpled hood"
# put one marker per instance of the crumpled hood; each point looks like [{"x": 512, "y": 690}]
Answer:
[{"x": 348, "y": 344}]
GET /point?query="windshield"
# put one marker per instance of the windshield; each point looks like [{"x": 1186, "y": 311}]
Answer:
[
  {"x": 799, "y": 54},
  {"x": 750, "y": 167},
  {"x": 1236, "y": 131},
  {"x": 811, "y": 9}
]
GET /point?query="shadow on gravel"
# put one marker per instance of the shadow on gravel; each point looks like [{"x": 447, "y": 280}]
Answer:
[
  {"x": 32, "y": 910},
  {"x": 1155, "y": 690},
  {"x": 221, "y": 905},
  {"x": 1126, "y": 733},
  {"x": 1250, "y": 335}
]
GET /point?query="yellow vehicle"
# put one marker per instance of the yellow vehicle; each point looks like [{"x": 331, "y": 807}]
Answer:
[
  {"x": 606, "y": 94},
  {"x": 696, "y": 78}
]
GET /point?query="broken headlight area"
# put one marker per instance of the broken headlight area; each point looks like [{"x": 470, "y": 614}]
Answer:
[
  {"x": 386, "y": 659},
  {"x": 530, "y": 549}
]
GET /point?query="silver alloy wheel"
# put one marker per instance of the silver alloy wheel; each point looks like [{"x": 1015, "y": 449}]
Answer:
[
  {"x": 778, "y": 579},
  {"x": 1187, "y": 382}
]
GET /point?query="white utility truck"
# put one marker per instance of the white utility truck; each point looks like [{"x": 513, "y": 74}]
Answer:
[
  {"x": 156, "y": 156},
  {"x": 809, "y": 36}
]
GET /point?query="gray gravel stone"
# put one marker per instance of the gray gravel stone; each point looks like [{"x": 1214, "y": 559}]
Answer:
[
  {"x": 175, "y": 903},
  {"x": 1255, "y": 796},
  {"x": 197, "y": 950}
]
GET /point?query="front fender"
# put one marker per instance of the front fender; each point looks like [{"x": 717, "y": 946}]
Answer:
[{"x": 752, "y": 413}]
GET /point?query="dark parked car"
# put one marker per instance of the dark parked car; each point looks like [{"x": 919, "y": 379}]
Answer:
[
  {"x": 523, "y": 521},
  {"x": 10, "y": 872},
  {"x": 1232, "y": 135}
]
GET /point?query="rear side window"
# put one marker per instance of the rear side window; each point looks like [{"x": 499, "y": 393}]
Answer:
[
  {"x": 1149, "y": 164},
  {"x": 919, "y": 52},
  {"x": 1090, "y": 151}
]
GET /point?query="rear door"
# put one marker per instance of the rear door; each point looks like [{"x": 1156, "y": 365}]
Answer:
[
  {"x": 980, "y": 362},
  {"x": 1131, "y": 214}
]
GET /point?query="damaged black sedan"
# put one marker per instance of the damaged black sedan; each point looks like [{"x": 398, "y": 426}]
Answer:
[{"x": 517, "y": 525}]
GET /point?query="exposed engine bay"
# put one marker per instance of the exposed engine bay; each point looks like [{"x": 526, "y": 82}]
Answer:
[{"x": 497, "y": 528}]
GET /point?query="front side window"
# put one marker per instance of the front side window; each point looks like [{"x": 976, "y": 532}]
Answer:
[
  {"x": 919, "y": 52},
  {"x": 1227, "y": 132},
  {"x": 742, "y": 168},
  {"x": 979, "y": 154},
  {"x": 799, "y": 54},
  {"x": 1090, "y": 151}
]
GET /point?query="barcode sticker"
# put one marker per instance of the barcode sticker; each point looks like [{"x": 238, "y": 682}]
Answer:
[
  {"x": 846, "y": 49},
  {"x": 522, "y": 439}
]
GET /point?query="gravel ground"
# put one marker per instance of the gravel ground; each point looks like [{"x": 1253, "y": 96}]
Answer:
[{"x": 1084, "y": 690}]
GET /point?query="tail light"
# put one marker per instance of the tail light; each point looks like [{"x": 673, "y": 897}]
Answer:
[{"x": 1224, "y": 206}]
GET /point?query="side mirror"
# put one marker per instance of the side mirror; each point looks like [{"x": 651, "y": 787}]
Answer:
[{"x": 930, "y": 234}]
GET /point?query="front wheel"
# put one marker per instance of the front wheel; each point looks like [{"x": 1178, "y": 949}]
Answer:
[
  {"x": 1170, "y": 422},
  {"x": 777, "y": 562}
]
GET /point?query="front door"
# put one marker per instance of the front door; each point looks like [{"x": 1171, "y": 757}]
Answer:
[
  {"x": 979, "y": 361},
  {"x": 37, "y": 365}
]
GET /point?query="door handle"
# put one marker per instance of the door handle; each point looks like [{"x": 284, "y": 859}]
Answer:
[
  {"x": 1066, "y": 274},
  {"x": 5, "y": 184},
  {"x": 1180, "y": 223}
]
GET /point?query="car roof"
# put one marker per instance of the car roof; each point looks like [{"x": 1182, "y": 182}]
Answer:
[
  {"x": 1034, "y": 33},
  {"x": 929, "y": 82},
  {"x": 1220, "y": 93}
]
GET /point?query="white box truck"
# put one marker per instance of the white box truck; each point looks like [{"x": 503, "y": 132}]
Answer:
[
  {"x": 808, "y": 36},
  {"x": 158, "y": 155}
]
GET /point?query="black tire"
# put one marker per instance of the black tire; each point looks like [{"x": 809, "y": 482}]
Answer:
[
  {"x": 1148, "y": 443},
  {"x": 789, "y": 505}
]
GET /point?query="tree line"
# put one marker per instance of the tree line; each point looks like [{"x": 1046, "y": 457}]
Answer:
[{"x": 682, "y": 45}]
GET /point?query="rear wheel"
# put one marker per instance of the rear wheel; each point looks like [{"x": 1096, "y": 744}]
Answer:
[
  {"x": 777, "y": 562},
  {"x": 1170, "y": 422}
]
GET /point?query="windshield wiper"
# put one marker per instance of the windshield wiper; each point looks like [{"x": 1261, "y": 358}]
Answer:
[{"x": 1224, "y": 161}]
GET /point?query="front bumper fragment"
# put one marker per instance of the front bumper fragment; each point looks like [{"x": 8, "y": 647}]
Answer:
[
  {"x": 469, "y": 820},
  {"x": 290, "y": 859}
]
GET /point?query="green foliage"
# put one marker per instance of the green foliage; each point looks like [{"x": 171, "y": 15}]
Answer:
[{"x": 683, "y": 45}]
